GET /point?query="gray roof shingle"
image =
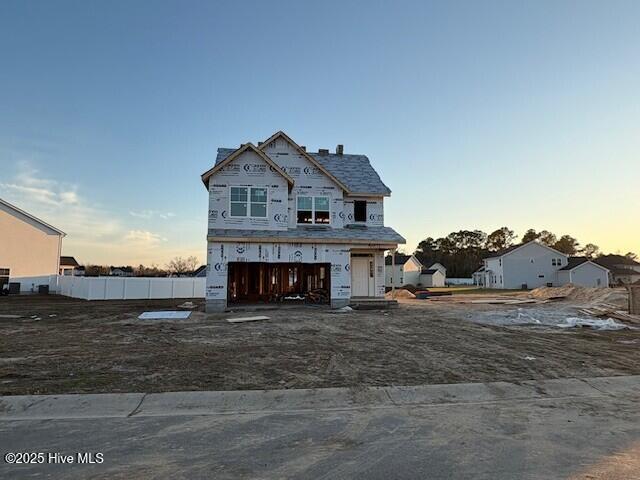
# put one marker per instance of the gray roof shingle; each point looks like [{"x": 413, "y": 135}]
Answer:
[
  {"x": 355, "y": 171},
  {"x": 370, "y": 234}
]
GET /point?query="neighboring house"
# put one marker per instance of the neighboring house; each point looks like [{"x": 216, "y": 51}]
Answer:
[
  {"x": 432, "y": 277},
  {"x": 200, "y": 272},
  {"x": 583, "y": 272},
  {"x": 622, "y": 270},
  {"x": 284, "y": 222},
  {"x": 68, "y": 266},
  {"x": 121, "y": 271},
  {"x": 29, "y": 247},
  {"x": 532, "y": 265},
  {"x": 405, "y": 272},
  {"x": 440, "y": 267},
  {"x": 479, "y": 276}
]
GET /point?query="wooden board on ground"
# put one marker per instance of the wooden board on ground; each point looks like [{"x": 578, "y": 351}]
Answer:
[{"x": 247, "y": 319}]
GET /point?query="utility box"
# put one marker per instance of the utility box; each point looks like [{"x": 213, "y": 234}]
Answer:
[{"x": 634, "y": 299}]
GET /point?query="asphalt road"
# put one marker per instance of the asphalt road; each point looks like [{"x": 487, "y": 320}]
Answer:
[{"x": 594, "y": 436}]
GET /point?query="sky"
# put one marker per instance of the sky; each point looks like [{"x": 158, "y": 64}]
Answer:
[{"x": 476, "y": 114}]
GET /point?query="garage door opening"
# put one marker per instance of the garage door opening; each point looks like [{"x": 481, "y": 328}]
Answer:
[{"x": 255, "y": 282}]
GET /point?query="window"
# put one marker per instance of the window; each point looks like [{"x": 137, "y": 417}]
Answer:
[
  {"x": 249, "y": 202},
  {"x": 4, "y": 272},
  {"x": 553, "y": 262},
  {"x": 360, "y": 211},
  {"x": 239, "y": 201},
  {"x": 313, "y": 210},
  {"x": 259, "y": 202},
  {"x": 305, "y": 210}
]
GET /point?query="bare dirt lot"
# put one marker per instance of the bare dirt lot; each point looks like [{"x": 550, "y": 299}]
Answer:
[{"x": 75, "y": 346}]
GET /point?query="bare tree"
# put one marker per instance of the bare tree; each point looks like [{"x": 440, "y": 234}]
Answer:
[{"x": 180, "y": 266}]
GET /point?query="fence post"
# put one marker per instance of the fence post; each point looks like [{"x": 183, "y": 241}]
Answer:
[{"x": 634, "y": 299}]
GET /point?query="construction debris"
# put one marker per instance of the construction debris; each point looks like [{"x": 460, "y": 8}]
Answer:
[
  {"x": 345, "y": 309},
  {"x": 164, "y": 315},
  {"x": 189, "y": 305},
  {"x": 399, "y": 293},
  {"x": 247, "y": 319},
  {"x": 596, "y": 324}
]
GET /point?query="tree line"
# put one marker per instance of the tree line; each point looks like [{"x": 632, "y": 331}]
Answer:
[
  {"x": 176, "y": 266},
  {"x": 462, "y": 252}
]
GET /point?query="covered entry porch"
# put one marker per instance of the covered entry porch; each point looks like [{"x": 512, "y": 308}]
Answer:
[{"x": 262, "y": 282}]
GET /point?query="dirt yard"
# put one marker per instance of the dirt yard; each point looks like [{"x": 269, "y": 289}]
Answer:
[{"x": 73, "y": 346}]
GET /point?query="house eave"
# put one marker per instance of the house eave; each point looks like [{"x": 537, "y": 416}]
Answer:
[{"x": 359, "y": 242}]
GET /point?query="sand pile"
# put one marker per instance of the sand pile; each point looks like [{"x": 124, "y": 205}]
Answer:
[
  {"x": 400, "y": 293},
  {"x": 591, "y": 296}
]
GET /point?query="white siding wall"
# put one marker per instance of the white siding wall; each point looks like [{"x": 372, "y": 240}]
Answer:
[
  {"x": 397, "y": 274},
  {"x": 407, "y": 273},
  {"x": 532, "y": 265},
  {"x": 494, "y": 273},
  {"x": 588, "y": 275}
]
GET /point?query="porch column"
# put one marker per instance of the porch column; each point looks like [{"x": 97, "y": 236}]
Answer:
[{"x": 393, "y": 274}]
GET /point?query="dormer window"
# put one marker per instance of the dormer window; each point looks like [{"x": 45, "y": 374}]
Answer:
[{"x": 313, "y": 210}]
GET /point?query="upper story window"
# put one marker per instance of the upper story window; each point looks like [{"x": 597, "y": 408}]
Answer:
[
  {"x": 249, "y": 202},
  {"x": 360, "y": 211},
  {"x": 313, "y": 210}
]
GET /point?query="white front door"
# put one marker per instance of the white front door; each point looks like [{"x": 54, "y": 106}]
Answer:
[{"x": 360, "y": 277}]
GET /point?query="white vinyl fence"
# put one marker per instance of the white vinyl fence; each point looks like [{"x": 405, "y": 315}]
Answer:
[
  {"x": 116, "y": 288},
  {"x": 459, "y": 281}
]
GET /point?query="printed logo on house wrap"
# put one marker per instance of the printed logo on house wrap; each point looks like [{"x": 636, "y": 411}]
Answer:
[
  {"x": 230, "y": 170},
  {"x": 292, "y": 171},
  {"x": 255, "y": 168},
  {"x": 313, "y": 171}
]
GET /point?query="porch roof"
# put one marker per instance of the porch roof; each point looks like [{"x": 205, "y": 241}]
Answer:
[{"x": 360, "y": 235}]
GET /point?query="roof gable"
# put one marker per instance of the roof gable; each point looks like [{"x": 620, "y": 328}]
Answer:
[
  {"x": 513, "y": 248},
  {"x": 230, "y": 158},
  {"x": 280, "y": 134},
  {"x": 400, "y": 259},
  {"x": 28, "y": 218},
  {"x": 575, "y": 262}
]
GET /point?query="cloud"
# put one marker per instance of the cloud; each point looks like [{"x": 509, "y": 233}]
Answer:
[
  {"x": 144, "y": 236},
  {"x": 94, "y": 233},
  {"x": 148, "y": 214},
  {"x": 69, "y": 197}
]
